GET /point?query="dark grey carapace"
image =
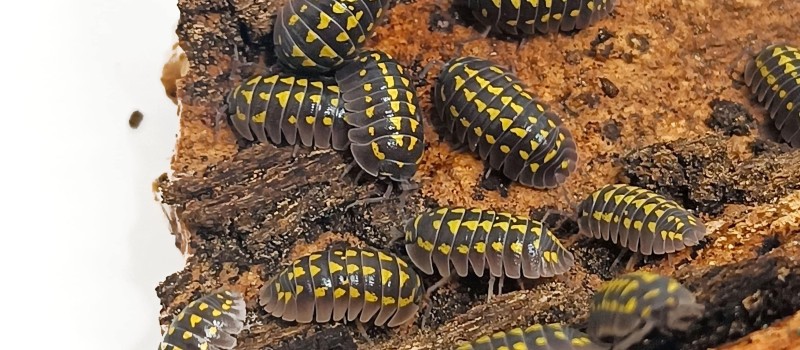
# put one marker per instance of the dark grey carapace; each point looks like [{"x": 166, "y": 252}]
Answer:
[
  {"x": 282, "y": 107},
  {"x": 210, "y": 322},
  {"x": 638, "y": 219},
  {"x": 627, "y": 308},
  {"x": 339, "y": 283},
  {"x": 528, "y": 17},
  {"x": 511, "y": 246},
  {"x": 381, "y": 103},
  {"x": 773, "y": 76},
  {"x": 370, "y": 108},
  {"x": 321, "y": 36},
  {"x": 487, "y": 109},
  {"x": 552, "y": 336}
]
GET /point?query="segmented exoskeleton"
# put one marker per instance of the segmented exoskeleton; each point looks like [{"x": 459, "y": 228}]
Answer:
[
  {"x": 381, "y": 103},
  {"x": 487, "y": 109},
  {"x": 511, "y": 246},
  {"x": 638, "y": 219},
  {"x": 210, "y": 322},
  {"x": 515, "y": 17},
  {"x": 343, "y": 283},
  {"x": 552, "y": 336},
  {"x": 773, "y": 76},
  {"x": 625, "y": 309},
  {"x": 320, "y": 36},
  {"x": 281, "y": 107}
]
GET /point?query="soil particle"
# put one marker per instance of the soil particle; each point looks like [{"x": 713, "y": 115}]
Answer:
[{"x": 730, "y": 118}]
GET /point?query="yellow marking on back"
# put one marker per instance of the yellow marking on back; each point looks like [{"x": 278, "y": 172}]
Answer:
[
  {"x": 370, "y": 297},
  {"x": 334, "y": 267},
  {"x": 425, "y": 245},
  {"x": 194, "y": 320},
  {"x": 403, "y": 278},
  {"x": 324, "y": 21},
  {"x": 248, "y": 96},
  {"x": 630, "y": 288},
  {"x": 377, "y": 152},
  {"x": 260, "y": 117},
  {"x": 469, "y": 94}
]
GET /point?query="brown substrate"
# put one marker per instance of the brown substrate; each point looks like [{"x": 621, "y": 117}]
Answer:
[{"x": 646, "y": 95}]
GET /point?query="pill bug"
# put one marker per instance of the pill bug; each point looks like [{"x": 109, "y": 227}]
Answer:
[
  {"x": 511, "y": 246},
  {"x": 208, "y": 323},
  {"x": 281, "y": 107},
  {"x": 340, "y": 283},
  {"x": 382, "y": 106},
  {"x": 639, "y": 220},
  {"x": 624, "y": 310},
  {"x": 553, "y": 336},
  {"x": 515, "y": 17},
  {"x": 486, "y": 108},
  {"x": 320, "y": 36},
  {"x": 772, "y": 76}
]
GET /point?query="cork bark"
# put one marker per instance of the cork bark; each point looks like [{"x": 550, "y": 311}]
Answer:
[{"x": 647, "y": 96}]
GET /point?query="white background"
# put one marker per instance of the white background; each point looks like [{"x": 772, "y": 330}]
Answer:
[{"x": 84, "y": 245}]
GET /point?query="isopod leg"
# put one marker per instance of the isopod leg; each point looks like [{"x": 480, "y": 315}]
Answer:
[
  {"x": 437, "y": 285},
  {"x": 406, "y": 188},
  {"x": 396, "y": 235},
  {"x": 491, "y": 289},
  {"x": 372, "y": 200},
  {"x": 294, "y": 151},
  {"x": 500, "y": 285},
  {"x": 635, "y": 258},
  {"x": 634, "y": 337},
  {"x": 347, "y": 170},
  {"x": 617, "y": 260},
  {"x": 427, "y": 298},
  {"x": 522, "y": 42},
  {"x": 363, "y": 331}
]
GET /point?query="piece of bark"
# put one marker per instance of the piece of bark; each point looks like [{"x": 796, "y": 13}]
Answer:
[
  {"x": 711, "y": 171},
  {"x": 236, "y": 239},
  {"x": 785, "y": 335},
  {"x": 253, "y": 213},
  {"x": 174, "y": 69}
]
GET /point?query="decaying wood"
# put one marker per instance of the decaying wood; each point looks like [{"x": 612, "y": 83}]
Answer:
[
  {"x": 263, "y": 207},
  {"x": 706, "y": 173},
  {"x": 245, "y": 211}
]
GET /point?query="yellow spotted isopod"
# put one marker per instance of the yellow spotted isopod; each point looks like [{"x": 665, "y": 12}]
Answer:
[
  {"x": 553, "y": 336},
  {"x": 515, "y": 17},
  {"x": 210, "y": 322},
  {"x": 487, "y": 108},
  {"x": 345, "y": 284},
  {"x": 509, "y": 245},
  {"x": 773, "y": 76},
  {"x": 627, "y": 308}
]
